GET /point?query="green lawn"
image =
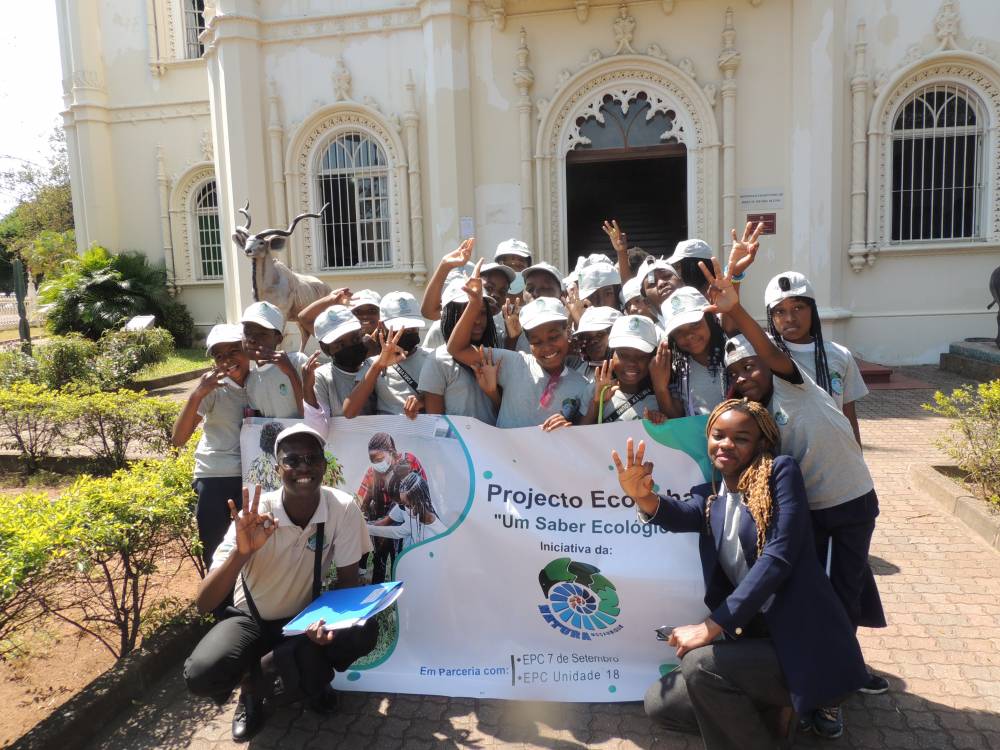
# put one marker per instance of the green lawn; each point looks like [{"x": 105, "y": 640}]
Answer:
[
  {"x": 12, "y": 334},
  {"x": 182, "y": 360}
]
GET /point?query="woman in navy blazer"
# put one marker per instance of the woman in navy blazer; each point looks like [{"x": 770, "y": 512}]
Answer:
[{"x": 777, "y": 634}]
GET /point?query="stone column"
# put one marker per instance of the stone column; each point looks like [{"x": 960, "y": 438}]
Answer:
[
  {"x": 235, "y": 73},
  {"x": 95, "y": 201},
  {"x": 729, "y": 63},
  {"x": 860, "y": 86},
  {"x": 163, "y": 186},
  {"x": 523, "y": 79},
  {"x": 447, "y": 53},
  {"x": 274, "y": 136},
  {"x": 411, "y": 134}
]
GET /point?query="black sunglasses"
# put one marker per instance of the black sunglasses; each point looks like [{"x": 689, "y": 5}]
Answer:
[{"x": 293, "y": 460}]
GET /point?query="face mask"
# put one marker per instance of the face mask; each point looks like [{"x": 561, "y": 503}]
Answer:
[
  {"x": 351, "y": 357},
  {"x": 517, "y": 285},
  {"x": 382, "y": 466},
  {"x": 409, "y": 341}
]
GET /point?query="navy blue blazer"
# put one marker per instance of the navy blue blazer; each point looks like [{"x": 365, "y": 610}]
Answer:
[{"x": 813, "y": 638}]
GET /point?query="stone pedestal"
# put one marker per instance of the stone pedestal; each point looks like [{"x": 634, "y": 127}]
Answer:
[{"x": 975, "y": 358}]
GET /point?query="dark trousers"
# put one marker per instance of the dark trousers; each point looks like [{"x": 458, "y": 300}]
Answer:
[
  {"x": 383, "y": 558},
  {"x": 720, "y": 691},
  {"x": 849, "y": 528},
  {"x": 212, "y": 512},
  {"x": 236, "y": 644}
]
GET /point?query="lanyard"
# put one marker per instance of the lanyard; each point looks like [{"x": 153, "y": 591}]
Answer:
[{"x": 633, "y": 400}]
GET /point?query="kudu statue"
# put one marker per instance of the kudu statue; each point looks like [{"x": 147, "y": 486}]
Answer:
[{"x": 273, "y": 281}]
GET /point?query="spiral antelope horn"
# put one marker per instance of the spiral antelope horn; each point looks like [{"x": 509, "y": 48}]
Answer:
[
  {"x": 246, "y": 212},
  {"x": 291, "y": 227}
]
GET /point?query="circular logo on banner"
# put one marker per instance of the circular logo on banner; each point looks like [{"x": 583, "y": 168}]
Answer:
[{"x": 581, "y": 603}]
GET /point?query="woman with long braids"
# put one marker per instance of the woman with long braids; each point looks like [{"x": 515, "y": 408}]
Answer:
[
  {"x": 777, "y": 640},
  {"x": 413, "y": 520}
]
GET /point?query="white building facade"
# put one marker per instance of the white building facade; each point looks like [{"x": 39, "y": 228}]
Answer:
[{"x": 866, "y": 132}]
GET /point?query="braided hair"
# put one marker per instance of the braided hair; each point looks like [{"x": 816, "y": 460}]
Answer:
[
  {"x": 755, "y": 481},
  {"x": 417, "y": 491},
  {"x": 450, "y": 315},
  {"x": 680, "y": 361},
  {"x": 690, "y": 273},
  {"x": 819, "y": 349}
]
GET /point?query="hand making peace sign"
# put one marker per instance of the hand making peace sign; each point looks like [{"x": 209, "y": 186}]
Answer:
[
  {"x": 253, "y": 529},
  {"x": 722, "y": 293}
]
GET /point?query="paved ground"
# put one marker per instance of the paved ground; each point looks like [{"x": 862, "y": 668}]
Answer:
[{"x": 941, "y": 652}]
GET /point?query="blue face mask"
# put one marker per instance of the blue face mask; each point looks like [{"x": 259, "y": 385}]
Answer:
[{"x": 517, "y": 285}]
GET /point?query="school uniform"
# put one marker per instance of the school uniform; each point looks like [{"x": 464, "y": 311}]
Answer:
[
  {"x": 846, "y": 382},
  {"x": 623, "y": 407},
  {"x": 396, "y": 383},
  {"x": 700, "y": 390},
  {"x": 443, "y": 376},
  {"x": 332, "y": 386},
  {"x": 787, "y": 639},
  {"x": 218, "y": 472},
  {"x": 524, "y": 383},
  {"x": 842, "y": 498},
  {"x": 270, "y": 391},
  {"x": 435, "y": 338}
]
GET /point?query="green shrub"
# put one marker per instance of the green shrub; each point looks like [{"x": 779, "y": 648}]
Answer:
[
  {"x": 111, "y": 424},
  {"x": 31, "y": 421},
  {"x": 16, "y": 366},
  {"x": 125, "y": 353},
  {"x": 974, "y": 440},
  {"x": 174, "y": 316},
  {"x": 64, "y": 359}
]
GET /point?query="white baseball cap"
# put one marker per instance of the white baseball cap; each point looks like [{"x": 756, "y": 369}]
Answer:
[
  {"x": 453, "y": 292},
  {"x": 686, "y": 305},
  {"x": 738, "y": 348},
  {"x": 548, "y": 268},
  {"x": 596, "y": 276},
  {"x": 264, "y": 314},
  {"x": 334, "y": 322},
  {"x": 597, "y": 319},
  {"x": 631, "y": 289},
  {"x": 785, "y": 285},
  {"x": 301, "y": 428},
  {"x": 589, "y": 260},
  {"x": 364, "y": 297},
  {"x": 690, "y": 249},
  {"x": 634, "y": 332},
  {"x": 223, "y": 333},
  {"x": 512, "y": 247},
  {"x": 400, "y": 310},
  {"x": 540, "y": 311},
  {"x": 509, "y": 272}
]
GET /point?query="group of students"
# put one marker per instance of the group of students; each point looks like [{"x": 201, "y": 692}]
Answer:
[{"x": 514, "y": 343}]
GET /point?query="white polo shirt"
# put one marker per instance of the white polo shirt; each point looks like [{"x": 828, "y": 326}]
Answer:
[{"x": 280, "y": 574}]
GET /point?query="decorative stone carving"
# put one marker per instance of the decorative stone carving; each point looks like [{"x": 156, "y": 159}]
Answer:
[
  {"x": 181, "y": 215},
  {"x": 711, "y": 92},
  {"x": 370, "y": 102},
  {"x": 655, "y": 50},
  {"x": 582, "y": 10},
  {"x": 523, "y": 75},
  {"x": 411, "y": 119},
  {"x": 624, "y": 28},
  {"x": 564, "y": 75},
  {"x": 594, "y": 56},
  {"x": 498, "y": 14},
  {"x": 729, "y": 61},
  {"x": 687, "y": 65},
  {"x": 860, "y": 83},
  {"x": 524, "y": 78},
  {"x": 946, "y": 25},
  {"x": 206, "y": 146},
  {"x": 341, "y": 81},
  {"x": 729, "y": 58}
]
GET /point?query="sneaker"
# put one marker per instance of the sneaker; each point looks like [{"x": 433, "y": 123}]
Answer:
[
  {"x": 828, "y": 723},
  {"x": 248, "y": 717},
  {"x": 876, "y": 685},
  {"x": 806, "y": 722}
]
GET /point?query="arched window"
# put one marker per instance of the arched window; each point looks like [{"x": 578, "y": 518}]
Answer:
[
  {"x": 938, "y": 172},
  {"x": 208, "y": 241},
  {"x": 194, "y": 24},
  {"x": 353, "y": 177}
]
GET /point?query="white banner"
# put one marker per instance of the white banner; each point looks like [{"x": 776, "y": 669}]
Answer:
[{"x": 539, "y": 582}]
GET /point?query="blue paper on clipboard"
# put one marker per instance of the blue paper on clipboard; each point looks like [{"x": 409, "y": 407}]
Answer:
[{"x": 344, "y": 608}]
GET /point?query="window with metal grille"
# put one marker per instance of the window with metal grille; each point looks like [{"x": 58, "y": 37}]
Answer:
[
  {"x": 194, "y": 24},
  {"x": 353, "y": 178},
  {"x": 937, "y": 165},
  {"x": 209, "y": 238}
]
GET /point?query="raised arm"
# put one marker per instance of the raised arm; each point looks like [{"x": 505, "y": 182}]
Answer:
[
  {"x": 460, "y": 343},
  {"x": 430, "y": 305},
  {"x": 307, "y": 315},
  {"x": 390, "y": 355},
  {"x": 619, "y": 241},
  {"x": 189, "y": 417},
  {"x": 726, "y": 300}
]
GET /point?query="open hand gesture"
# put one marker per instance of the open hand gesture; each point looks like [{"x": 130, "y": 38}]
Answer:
[
  {"x": 210, "y": 381},
  {"x": 722, "y": 293},
  {"x": 619, "y": 240},
  {"x": 460, "y": 255},
  {"x": 488, "y": 372},
  {"x": 391, "y": 352},
  {"x": 605, "y": 384},
  {"x": 341, "y": 296},
  {"x": 253, "y": 529},
  {"x": 744, "y": 250},
  {"x": 474, "y": 284},
  {"x": 635, "y": 477},
  {"x": 659, "y": 366},
  {"x": 574, "y": 304},
  {"x": 512, "y": 317}
]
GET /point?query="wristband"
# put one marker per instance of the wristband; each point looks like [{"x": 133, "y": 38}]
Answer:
[{"x": 738, "y": 277}]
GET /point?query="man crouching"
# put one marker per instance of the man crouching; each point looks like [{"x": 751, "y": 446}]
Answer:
[{"x": 273, "y": 561}]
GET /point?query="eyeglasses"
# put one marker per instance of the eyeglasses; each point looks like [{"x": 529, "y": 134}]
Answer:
[{"x": 294, "y": 460}]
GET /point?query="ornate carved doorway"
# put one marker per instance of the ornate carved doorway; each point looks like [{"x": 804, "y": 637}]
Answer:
[{"x": 627, "y": 163}]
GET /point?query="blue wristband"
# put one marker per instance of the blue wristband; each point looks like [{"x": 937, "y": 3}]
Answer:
[{"x": 738, "y": 277}]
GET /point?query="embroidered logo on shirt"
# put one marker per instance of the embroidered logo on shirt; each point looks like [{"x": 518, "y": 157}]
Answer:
[
  {"x": 837, "y": 383},
  {"x": 311, "y": 544},
  {"x": 780, "y": 417},
  {"x": 283, "y": 389}
]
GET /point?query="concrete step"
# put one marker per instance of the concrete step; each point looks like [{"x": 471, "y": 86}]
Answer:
[{"x": 973, "y": 358}]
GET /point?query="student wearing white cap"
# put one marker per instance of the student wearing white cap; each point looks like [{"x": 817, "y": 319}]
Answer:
[
  {"x": 842, "y": 499},
  {"x": 696, "y": 347},
  {"x": 514, "y": 254},
  {"x": 540, "y": 280},
  {"x": 687, "y": 255},
  {"x": 307, "y": 316},
  {"x": 793, "y": 320},
  {"x": 447, "y": 385},
  {"x": 633, "y": 301},
  {"x": 600, "y": 284},
  {"x": 659, "y": 280},
  {"x": 274, "y": 385},
  {"x": 393, "y": 375},
  {"x": 275, "y": 556},
  {"x": 327, "y": 385},
  {"x": 590, "y": 340},
  {"x": 538, "y": 388},
  {"x": 635, "y": 382},
  {"x": 219, "y": 403}
]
